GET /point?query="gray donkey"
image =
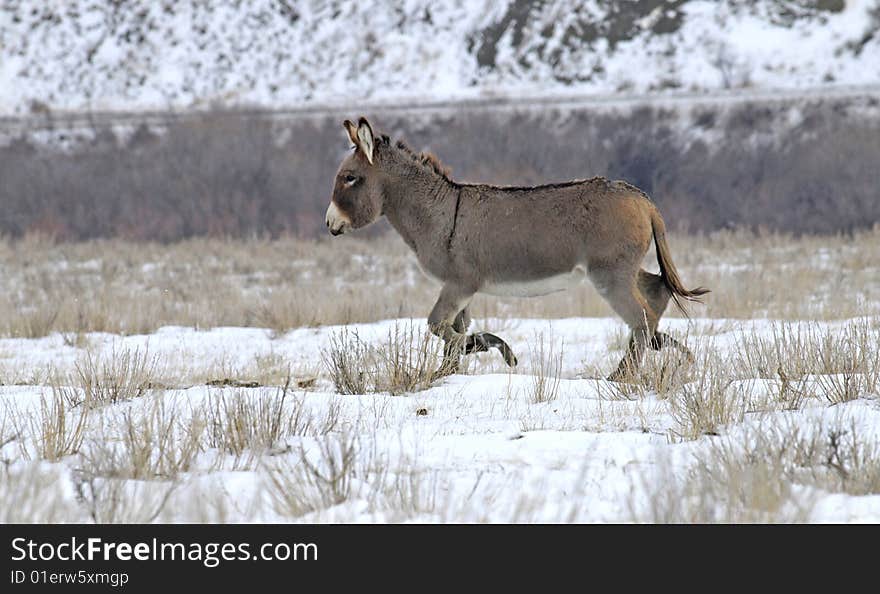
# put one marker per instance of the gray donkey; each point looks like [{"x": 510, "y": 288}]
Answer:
[{"x": 511, "y": 241}]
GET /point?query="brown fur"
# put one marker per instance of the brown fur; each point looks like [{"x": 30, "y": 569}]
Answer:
[{"x": 529, "y": 240}]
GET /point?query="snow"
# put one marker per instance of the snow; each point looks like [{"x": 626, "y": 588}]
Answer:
[
  {"x": 143, "y": 55},
  {"x": 479, "y": 448}
]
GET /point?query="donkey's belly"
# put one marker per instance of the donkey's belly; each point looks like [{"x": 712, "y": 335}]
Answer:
[{"x": 537, "y": 287}]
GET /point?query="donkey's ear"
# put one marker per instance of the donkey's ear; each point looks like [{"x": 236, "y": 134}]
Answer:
[
  {"x": 365, "y": 138},
  {"x": 352, "y": 131}
]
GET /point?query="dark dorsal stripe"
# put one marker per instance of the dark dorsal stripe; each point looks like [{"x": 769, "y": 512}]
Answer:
[
  {"x": 431, "y": 162},
  {"x": 454, "y": 220}
]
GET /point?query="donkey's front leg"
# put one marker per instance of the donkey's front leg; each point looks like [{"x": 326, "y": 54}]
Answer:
[
  {"x": 474, "y": 343},
  {"x": 452, "y": 349},
  {"x": 447, "y": 321},
  {"x": 483, "y": 341}
]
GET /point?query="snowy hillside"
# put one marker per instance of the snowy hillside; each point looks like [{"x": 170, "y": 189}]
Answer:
[{"x": 146, "y": 54}]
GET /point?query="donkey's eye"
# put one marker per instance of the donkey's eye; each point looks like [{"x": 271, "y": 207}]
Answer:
[{"x": 350, "y": 179}]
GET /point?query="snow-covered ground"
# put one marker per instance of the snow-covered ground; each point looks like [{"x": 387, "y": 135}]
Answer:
[
  {"x": 481, "y": 446},
  {"x": 92, "y": 55}
]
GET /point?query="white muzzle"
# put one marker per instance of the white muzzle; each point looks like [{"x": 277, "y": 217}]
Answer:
[{"x": 337, "y": 222}]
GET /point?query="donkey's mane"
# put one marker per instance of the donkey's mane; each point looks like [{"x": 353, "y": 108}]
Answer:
[{"x": 426, "y": 159}]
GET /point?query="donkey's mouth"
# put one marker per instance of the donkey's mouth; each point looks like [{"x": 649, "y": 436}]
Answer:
[{"x": 337, "y": 227}]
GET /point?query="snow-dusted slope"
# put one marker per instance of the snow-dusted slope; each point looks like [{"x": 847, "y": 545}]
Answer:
[{"x": 155, "y": 54}]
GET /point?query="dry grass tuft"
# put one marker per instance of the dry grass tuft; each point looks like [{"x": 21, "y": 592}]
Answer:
[
  {"x": 720, "y": 489},
  {"x": 321, "y": 478},
  {"x": 343, "y": 467},
  {"x": 349, "y": 362},
  {"x": 155, "y": 443},
  {"x": 709, "y": 402},
  {"x": 848, "y": 362},
  {"x": 785, "y": 353},
  {"x": 771, "y": 472},
  {"x": 241, "y": 422},
  {"x": 406, "y": 360},
  {"x": 403, "y": 362},
  {"x": 247, "y": 424},
  {"x": 55, "y": 432},
  {"x": 838, "y": 458},
  {"x": 546, "y": 370},
  {"x": 117, "y": 377},
  {"x": 837, "y": 364}
]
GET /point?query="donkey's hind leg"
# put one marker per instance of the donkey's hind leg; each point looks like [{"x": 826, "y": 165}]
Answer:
[
  {"x": 658, "y": 295},
  {"x": 655, "y": 291},
  {"x": 663, "y": 340},
  {"x": 622, "y": 293}
]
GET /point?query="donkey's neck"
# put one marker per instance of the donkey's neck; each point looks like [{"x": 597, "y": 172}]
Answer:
[{"x": 422, "y": 206}]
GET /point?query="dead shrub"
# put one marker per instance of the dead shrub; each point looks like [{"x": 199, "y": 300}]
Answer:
[
  {"x": 403, "y": 362},
  {"x": 116, "y": 377},
  {"x": 546, "y": 370},
  {"x": 240, "y": 422},
  {"x": 711, "y": 401},
  {"x": 321, "y": 477},
  {"x": 57, "y": 431},
  {"x": 146, "y": 445}
]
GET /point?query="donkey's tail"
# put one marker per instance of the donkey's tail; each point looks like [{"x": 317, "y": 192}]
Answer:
[{"x": 667, "y": 269}]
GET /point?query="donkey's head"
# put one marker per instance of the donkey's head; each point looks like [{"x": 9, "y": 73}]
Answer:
[{"x": 357, "y": 192}]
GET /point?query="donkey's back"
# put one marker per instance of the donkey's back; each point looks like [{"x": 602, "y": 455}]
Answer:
[{"x": 533, "y": 241}]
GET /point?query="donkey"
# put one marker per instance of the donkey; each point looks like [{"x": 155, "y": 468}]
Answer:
[{"x": 511, "y": 241}]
